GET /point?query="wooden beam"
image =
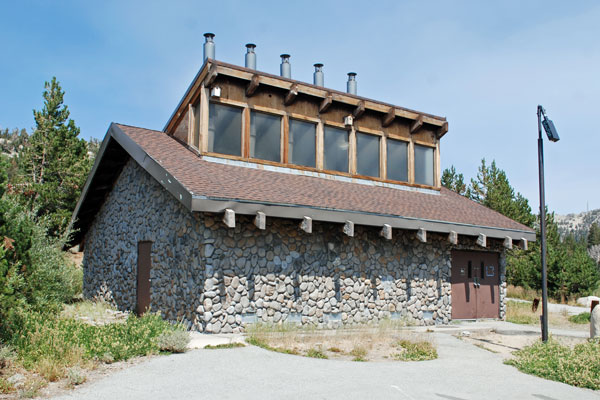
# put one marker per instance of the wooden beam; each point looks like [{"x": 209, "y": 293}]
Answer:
[
  {"x": 326, "y": 103},
  {"x": 389, "y": 117},
  {"x": 260, "y": 220},
  {"x": 349, "y": 228},
  {"x": 252, "y": 86},
  {"x": 415, "y": 126},
  {"x": 386, "y": 231},
  {"x": 229, "y": 218},
  {"x": 524, "y": 244},
  {"x": 442, "y": 130},
  {"x": 482, "y": 240},
  {"x": 453, "y": 237},
  {"x": 306, "y": 224},
  {"x": 422, "y": 235},
  {"x": 211, "y": 76},
  {"x": 508, "y": 242},
  {"x": 291, "y": 95},
  {"x": 359, "y": 110}
]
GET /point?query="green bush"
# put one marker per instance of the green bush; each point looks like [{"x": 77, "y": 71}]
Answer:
[
  {"x": 583, "y": 318},
  {"x": 577, "y": 366},
  {"x": 50, "y": 345},
  {"x": 34, "y": 273}
]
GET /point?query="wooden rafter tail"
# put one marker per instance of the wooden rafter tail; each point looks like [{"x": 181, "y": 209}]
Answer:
[
  {"x": 389, "y": 117},
  {"x": 359, "y": 110},
  {"x": 306, "y": 224},
  {"x": 349, "y": 228},
  {"x": 212, "y": 75},
  {"x": 260, "y": 220},
  {"x": 291, "y": 95},
  {"x": 416, "y": 125},
  {"x": 229, "y": 218},
  {"x": 326, "y": 103},
  {"x": 442, "y": 130},
  {"x": 252, "y": 86}
]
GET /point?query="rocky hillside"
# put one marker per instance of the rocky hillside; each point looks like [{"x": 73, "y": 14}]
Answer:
[{"x": 578, "y": 224}]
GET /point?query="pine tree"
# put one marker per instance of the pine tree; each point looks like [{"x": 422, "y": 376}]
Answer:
[
  {"x": 593, "y": 237},
  {"x": 54, "y": 163},
  {"x": 454, "y": 181},
  {"x": 492, "y": 189}
]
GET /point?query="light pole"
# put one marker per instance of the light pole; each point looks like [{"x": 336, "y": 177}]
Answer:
[{"x": 553, "y": 137}]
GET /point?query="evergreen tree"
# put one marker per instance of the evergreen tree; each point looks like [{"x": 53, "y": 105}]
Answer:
[
  {"x": 492, "y": 189},
  {"x": 454, "y": 181},
  {"x": 54, "y": 163},
  {"x": 593, "y": 237}
]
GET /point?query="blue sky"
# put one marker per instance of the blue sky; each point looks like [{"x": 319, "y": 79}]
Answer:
[{"x": 483, "y": 65}]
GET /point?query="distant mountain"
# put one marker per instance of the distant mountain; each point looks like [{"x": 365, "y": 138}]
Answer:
[{"x": 578, "y": 224}]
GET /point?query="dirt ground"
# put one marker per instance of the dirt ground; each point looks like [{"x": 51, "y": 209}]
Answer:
[
  {"x": 506, "y": 344},
  {"x": 346, "y": 344}
]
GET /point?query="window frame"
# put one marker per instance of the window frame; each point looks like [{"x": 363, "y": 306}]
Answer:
[
  {"x": 243, "y": 127},
  {"x": 341, "y": 127},
  {"x": 379, "y": 154},
  {"x": 287, "y": 130},
  {"x": 260, "y": 110},
  {"x": 433, "y": 148},
  {"x": 408, "y": 159}
]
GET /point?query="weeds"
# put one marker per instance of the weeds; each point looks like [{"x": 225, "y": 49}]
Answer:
[
  {"x": 224, "y": 346},
  {"x": 577, "y": 366},
  {"x": 255, "y": 341},
  {"x": 359, "y": 353},
  {"x": 316, "y": 353},
  {"x": 416, "y": 351}
]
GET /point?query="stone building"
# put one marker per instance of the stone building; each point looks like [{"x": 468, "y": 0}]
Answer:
[{"x": 269, "y": 199}]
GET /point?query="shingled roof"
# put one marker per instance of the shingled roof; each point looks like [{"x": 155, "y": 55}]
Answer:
[{"x": 211, "y": 185}]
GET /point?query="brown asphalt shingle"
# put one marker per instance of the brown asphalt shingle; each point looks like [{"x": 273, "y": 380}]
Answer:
[{"x": 219, "y": 181}]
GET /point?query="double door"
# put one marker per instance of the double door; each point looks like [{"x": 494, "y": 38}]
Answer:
[{"x": 475, "y": 283}]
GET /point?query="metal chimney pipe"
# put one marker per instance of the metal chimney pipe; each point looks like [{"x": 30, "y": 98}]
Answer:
[
  {"x": 209, "y": 46},
  {"x": 318, "y": 77},
  {"x": 286, "y": 68},
  {"x": 250, "y": 56},
  {"x": 351, "y": 84}
]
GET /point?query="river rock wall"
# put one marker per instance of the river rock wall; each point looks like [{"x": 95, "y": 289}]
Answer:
[{"x": 218, "y": 279}]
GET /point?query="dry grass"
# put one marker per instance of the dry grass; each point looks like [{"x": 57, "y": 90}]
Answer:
[
  {"x": 357, "y": 344},
  {"x": 521, "y": 313},
  {"x": 519, "y": 292},
  {"x": 93, "y": 312}
]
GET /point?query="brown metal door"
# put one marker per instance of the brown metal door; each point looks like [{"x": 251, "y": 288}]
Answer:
[
  {"x": 464, "y": 296},
  {"x": 143, "y": 276},
  {"x": 488, "y": 283},
  {"x": 475, "y": 285}
]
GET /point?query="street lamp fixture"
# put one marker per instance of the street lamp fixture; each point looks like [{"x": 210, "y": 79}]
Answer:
[{"x": 553, "y": 137}]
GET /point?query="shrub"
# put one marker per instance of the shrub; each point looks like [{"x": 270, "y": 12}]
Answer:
[
  {"x": 173, "y": 341},
  {"x": 316, "y": 353},
  {"x": 34, "y": 273},
  {"x": 51, "y": 345},
  {"x": 359, "y": 353},
  {"x": 577, "y": 366},
  {"x": 583, "y": 318},
  {"x": 416, "y": 351},
  {"x": 75, "y": 376}
]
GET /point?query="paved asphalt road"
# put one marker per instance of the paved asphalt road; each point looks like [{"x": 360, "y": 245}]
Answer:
[{"x": 462, "y": 371}]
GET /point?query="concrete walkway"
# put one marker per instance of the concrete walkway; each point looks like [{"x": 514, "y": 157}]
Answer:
[{"x": 462, "y": 371}]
